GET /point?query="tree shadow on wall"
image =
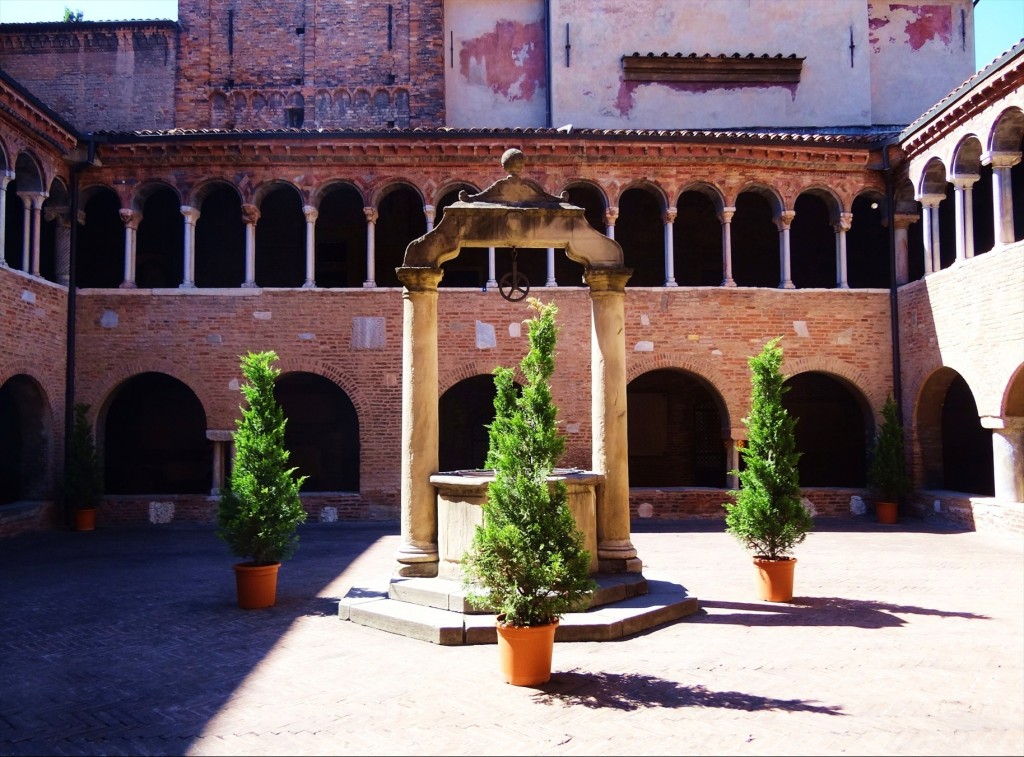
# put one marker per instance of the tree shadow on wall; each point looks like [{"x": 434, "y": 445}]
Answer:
[
  {"x": 819, "y": 611},
  {"x": 634, "y": 691}
]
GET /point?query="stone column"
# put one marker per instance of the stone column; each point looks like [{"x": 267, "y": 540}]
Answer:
[
  {"x": 131, "y": 221},
  {"x": 551, "y": 281},
  {"x": 5, "y": 178},
  {"x": 611, "y": 215},
  {"x": 668, "y": 219},
  {"x": 1002, "y": 194},
  {"x": 311, "y": 214},
  {"x": 782, "y": 222},
  {"x": 732, "y": 452},
  {"x": 37, "y": 216},
  {"x": 191, "y": 215},
  {"x": 26, "y": 229},
  {"x": 371, "y": 255},
  {"x": 431, "y": 213},
  {"x": 1007, "y": 456},
  {"x": 61, "y": 242},
  {"x": 492, "y": 282},
  {"x": 930, "y": 231},
  {"x": 964, "y": 219},
  {"x": 841, "y": 227},
  {"x": 615, "y": 550},
  {"x": 901, "y": 221},
  {"x": 726, "y": 218},
  {"x": 221, "y": 448},
  {"x": 250, "y": 217},
  {"x": 417, "y": 554}
]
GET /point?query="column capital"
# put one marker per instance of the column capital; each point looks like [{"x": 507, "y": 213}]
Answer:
[
  {"x": 784, "y": 219},
  {"x": 607, "y": 279},
  {"x": 430, "y": 212},
  {"x": 1000, "y": 159},
  {"x": 930, "y": 200},
  {"x": 903, "y": 220},
  {"x": 669, "y": 215},
  {"x": 843, "y": 222},
  {"x": 130, "y": 218},
  {"x": 725, "y": 214},
  {"x": 311, "y": 213},
  {"x": 611, "y": 215},
  {"x": 250, "y": 214},
  {"x": 964, "y": 180},
  {"x": 33, "y": 199},
  {"x": 190, "y": 213},
  {"x": 1008, "y": 423},
  {"x": 6, "y": 177},
  {"x": 371, "y": 214},
  {"x": 417, "y": 279}
]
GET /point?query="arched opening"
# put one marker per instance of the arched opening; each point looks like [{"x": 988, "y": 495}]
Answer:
[
  {"x": 100, "y": 258},
  {"x": 675, "y": 431},
  {"x": 160, "y": 241},
  {"x": 812, "y": 244},
  {"x": 281, "y": 240},
  {"x": 832, "y": 430},
  {"x": 321, "y": 433},
  {"x": 464, "y": 412},
  {"x": 955, "y": 451},
  {"x": 697, "y": 241},
  {"x": 400, "y": 219},
  {"x": 470, "y": 267},
  {"x": 13, "y": 226},
  {"x": 867, "y": 244},
  {"x": 755, "y": 242},
  {"x": 640, "y": 232},
  {"x": 567, "y": 271},
  {"x": 25, "y": 441},
  {"x": 220, "y": 240},
  {"x": 981, "y": 202},
  {"x": 154, "y": 439},
  {"x": 341, "y": 239},
  {"x": 947, "y": 228}
]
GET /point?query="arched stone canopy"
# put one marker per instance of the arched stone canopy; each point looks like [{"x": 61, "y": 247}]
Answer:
[{"x": 512, "y": 212}]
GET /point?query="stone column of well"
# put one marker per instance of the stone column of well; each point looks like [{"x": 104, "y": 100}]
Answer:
[
  {"x": 191, "y": 215},
  {"x": 611, "y": 215},
  {"x": 930, "y": 231},
  {"x": 431, "y": 213},
  {"x": 732, "y": 450},
  {"x": 371, "y": 254},
  {"x": 901, "y": 222},
  {"x": 551, "y": 282},
  {"x": 5, "y": 178},
  {"x": 1002, "y": 194},
  {"x": 615, "y": 550},
  {"x": 1007, "y": 457},
  {"x": 38, "y": 198},
  {"x": 963, "y": 205},
  {"x": 311, "y": 214},
  {"x": 131, "y": 221},
  {"x": 417, "y": 555},
  {"x": 492, "y": 282},
  {"x": 250, "y": 217},
  {"x": 726, "y": 218},
  {"x": 668, "y": 219},
  {"x": 782, "y": 222},
  {"x": 841, "y": 227}
]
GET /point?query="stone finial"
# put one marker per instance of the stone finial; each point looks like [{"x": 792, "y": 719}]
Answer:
[{"x": 512, "y": 161}]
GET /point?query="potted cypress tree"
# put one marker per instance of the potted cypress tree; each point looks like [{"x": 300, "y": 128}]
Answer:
[
  {"x": 768, "y": 515},
  {"x": 527, "y": 561},
  {"x": 82, "y": 486},
  {"x": 260, "y": 509},
  {"x": 887, "y": 474}
]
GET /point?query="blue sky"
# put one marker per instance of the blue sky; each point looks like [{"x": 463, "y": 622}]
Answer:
[{"x": 999, "y": 24}]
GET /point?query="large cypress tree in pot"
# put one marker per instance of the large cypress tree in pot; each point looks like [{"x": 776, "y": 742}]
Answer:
[{"x": 768, "y": 515}]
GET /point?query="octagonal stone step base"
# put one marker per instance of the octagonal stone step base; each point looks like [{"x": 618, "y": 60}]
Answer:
[{"x": 435, "y": 610}]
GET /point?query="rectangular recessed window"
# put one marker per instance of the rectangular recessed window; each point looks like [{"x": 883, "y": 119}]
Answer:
[{"x": 707, "y": 69}]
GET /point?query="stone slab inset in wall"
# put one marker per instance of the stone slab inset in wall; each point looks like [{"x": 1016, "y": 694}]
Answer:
[
  {"x": 486, "y": 339},
  {"x": 329, "y": 515},
  {"x": 368, "y": 333},
  {"x": 109, "y": 319},
  {"x": 161, "y": 512}
]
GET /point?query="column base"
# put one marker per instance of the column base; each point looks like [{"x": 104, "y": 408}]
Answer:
[
  {"x": 416, "y": 562},
  {"x": 630, "y": 565},
  {"x": 787, "y": 285},
  {"x": 369, "y": 285},
  {"x": 126, "y": 285},
  {"x": 728, "y": 283}
]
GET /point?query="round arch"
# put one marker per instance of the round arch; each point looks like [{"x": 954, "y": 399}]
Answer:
[{"x": 26, "y": 440}]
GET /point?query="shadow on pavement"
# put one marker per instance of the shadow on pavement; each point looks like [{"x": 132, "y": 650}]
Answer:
[{"x": 818, "y": 611}]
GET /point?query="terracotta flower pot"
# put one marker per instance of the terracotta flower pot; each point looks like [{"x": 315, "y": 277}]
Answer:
[
  {"x": 887, "y": 512},
  {"x": 524, "y": 653},
  {"x": 775, "y": 579},
  {"x": 256, "y": 585},
  {"x": 85, "y": 519}
]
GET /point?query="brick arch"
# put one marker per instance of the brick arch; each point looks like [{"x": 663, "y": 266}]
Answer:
[
  {"x": 466, "y": 370},
  {"x": 25, "y": 369},
  {"x": 260, "y": 192},
  {"x": 706, "y": 188},
  {"x": 703, "y": 369},
  {"x": 119, "y": 374},
  {"x": 853, "y": 377},
  {"x": 770, "y": 194},
  {"x": 330, "y": 372},
  {"x": 645, "y": 185},
  {"x": 392, "y": 184},
  {"x": 331, "y": 185},
  {"x": 1013, "y": 397},
  {"x": 147, "y": 189},
  {"x": 5, "y": 160}
]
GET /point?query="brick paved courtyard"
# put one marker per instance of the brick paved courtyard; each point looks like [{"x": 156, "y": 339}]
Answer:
[{"x": 901, "y": 639}]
